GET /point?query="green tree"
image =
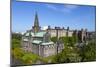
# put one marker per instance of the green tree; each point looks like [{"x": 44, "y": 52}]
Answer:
[
  {"x": 17, "y": 53},
  {"x": 88, "y": 52},
  {"x": 15, "y": 43},
  {"x": 54, "y": 39},
  {"x": 69, "y": 40},
  {"x": 16, "y": 36},
  {"x": 68, "y": 55},
  {"x": 24, "y": 57},
  {"x": 64, "y": 39},
  {"x": 16, "y": 40},
  {"x": 29, "y": 58}
]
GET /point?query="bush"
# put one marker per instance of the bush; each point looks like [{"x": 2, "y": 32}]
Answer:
[
  {"x": 24, "y": 57},
  {"x": 29, "y": 58},
  {"x": 88, "y": 52},
  {"x": 66, "y": 56},
  {"x": 54, "y": 39}
]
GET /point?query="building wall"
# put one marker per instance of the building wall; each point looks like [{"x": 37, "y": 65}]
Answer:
[
  {"x": 70, "y": 33},
  {"x": 35, "y": 49},
  {"x": 41, "y": 53},
  {"x": 26, "y": 46},
  {"x": 82, "y": 35},
  {"x": 41, "y": 50},
  {"x": 53, "y": 33},
  {"x": 61, "y": 47},
  {"x": 61, "y": 33},
  {"x": 49, "y": 50}
]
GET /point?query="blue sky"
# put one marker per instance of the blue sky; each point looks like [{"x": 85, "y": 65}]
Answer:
[{"x": 63, "y": 15}]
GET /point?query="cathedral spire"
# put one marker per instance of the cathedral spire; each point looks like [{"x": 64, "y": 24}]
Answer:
[
  {"x": 36, "y": 27},
  {"x": 36, "y": 22}
]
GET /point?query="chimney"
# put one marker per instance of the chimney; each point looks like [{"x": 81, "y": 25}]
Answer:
[
  {"x": 63, "y": 28},
  {"x": 67, "y": 28},
  {"x": 49, "y": 27}
]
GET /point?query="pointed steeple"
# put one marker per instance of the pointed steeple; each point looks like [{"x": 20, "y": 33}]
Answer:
[
  {"x": 36, "y": 22},
  {"x": 36, "y": 27}
]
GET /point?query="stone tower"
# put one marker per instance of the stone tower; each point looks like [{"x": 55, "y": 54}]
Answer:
[{"x": 36, "y": 27}]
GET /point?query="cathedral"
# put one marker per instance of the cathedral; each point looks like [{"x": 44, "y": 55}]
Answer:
[{"x": 38, "y": 41}]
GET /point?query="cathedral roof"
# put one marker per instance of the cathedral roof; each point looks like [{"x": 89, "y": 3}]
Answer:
[
  {"x": 42, "y": 43},
  {"x": 38, "y": 34},
  {"x": 47, "y": 43},
  {"x": 37, "y": 41}
]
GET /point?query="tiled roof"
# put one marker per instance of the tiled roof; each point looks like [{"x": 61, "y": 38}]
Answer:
[
  {"x": 47, "y": 43},
  {"x": 27, "y": 34},
  {"x": 39, "y": 34},
  {"x": 36, "y": 41}
]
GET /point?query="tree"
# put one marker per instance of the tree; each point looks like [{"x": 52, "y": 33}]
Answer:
[
  {"x": 17, "y": 53},
  {"x": 75, "y": 38},
  {"x": 54, "y": 39},
  {"x": 15, "y": 43},
  {"x": 64, "y": 39},
  {"x": 16, "y": 36},
  {"x": 66, "y": 56},
  {"x": 24, "y": 57},
  {"x": 16, "y": 40},
  {"x": 88, "y": 52},
  {"x": 69, "y": 40},
  {"x": 29, "y": 58}
]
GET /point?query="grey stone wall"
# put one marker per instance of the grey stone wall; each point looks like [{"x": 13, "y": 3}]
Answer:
[
  {"x": 61, "y": 32},
  {"x": 35, "y": 49},
  {"x": 26, "y": 46},
  {"x": 49, "y": 50}
]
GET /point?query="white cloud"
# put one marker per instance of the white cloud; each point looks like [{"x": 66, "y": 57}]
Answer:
[
  {"x": 44, "y": 27},
  {"x": 69, "y": 8},
  {"x": 65, "y": 8},
  {"x": 51, "y": 6}
]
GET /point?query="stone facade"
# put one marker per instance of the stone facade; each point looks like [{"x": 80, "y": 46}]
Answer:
[
  {"x": 61, "y": 32},
  {"x": 82, "y": 35},
  {"x": 41, "y": 46}
]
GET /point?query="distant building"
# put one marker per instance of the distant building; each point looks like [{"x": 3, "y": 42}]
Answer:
[{"x": 62, "y": 32}]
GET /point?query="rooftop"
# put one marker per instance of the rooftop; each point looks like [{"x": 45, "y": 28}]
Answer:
[{"x": 38, "y": 34}]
